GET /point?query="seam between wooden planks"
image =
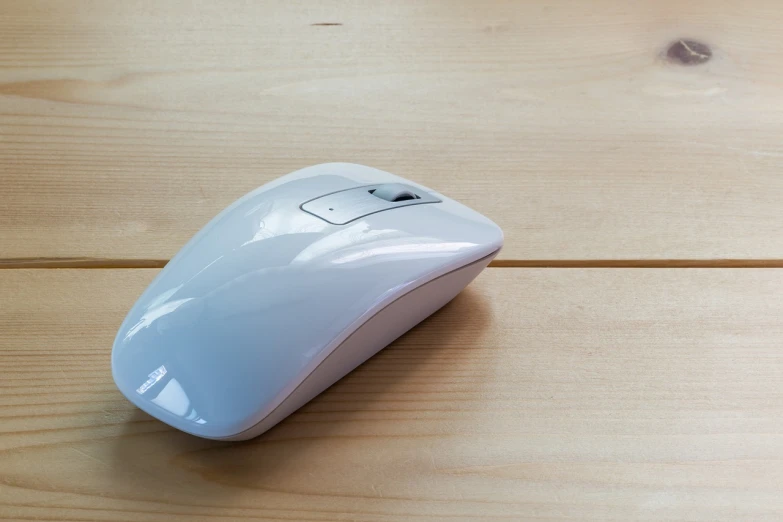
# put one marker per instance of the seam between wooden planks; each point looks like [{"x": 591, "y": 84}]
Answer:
[
  {"x": 638, "y": 263},
  {"x": 80, "y": 262},
  {"x": 97, "y": 263}
]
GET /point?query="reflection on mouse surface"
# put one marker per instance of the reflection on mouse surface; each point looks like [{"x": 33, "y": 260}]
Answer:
[{"x": 290, "y": 288}]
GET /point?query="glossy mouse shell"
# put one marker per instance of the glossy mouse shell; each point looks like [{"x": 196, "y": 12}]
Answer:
[{"x": 266, "y": 292}]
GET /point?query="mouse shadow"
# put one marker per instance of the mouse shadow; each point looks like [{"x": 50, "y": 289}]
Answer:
[{"x": 160, "y": 463}]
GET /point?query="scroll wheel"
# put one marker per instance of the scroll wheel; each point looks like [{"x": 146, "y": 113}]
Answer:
[{"x": 394, "y": 192}]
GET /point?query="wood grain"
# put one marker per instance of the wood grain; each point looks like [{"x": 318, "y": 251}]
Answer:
[
  {"x": 582, "y": 394},
  {"x": 125, "y": 126}
]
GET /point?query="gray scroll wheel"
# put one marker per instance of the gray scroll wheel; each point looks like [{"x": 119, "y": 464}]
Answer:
[{"x": 395, "y": 192}]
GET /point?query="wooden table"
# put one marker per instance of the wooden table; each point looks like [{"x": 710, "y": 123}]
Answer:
[{"x": 621, "y": 360}]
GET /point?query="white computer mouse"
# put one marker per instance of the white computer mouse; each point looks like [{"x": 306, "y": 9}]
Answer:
[{"x": 289, "y": 289}]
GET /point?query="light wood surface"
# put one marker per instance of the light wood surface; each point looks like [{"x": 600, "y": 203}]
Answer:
[
  {"x": 539, "y": 394},
  {"x": 127, "y": 125},
  {"x": 527, "y": 398}
]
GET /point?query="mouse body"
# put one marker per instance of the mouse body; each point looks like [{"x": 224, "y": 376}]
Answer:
[{"x": 290, "y": 288}]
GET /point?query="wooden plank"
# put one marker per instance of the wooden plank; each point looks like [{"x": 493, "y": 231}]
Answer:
[
  {"x": 127, "y": 125},
  {"x": 540, "y": 394}
]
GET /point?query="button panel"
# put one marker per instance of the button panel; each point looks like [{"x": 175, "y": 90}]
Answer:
[{"x": 340, "y": 208}]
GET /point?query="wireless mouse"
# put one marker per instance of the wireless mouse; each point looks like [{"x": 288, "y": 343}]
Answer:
[{"x": 290, "y": 288}]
